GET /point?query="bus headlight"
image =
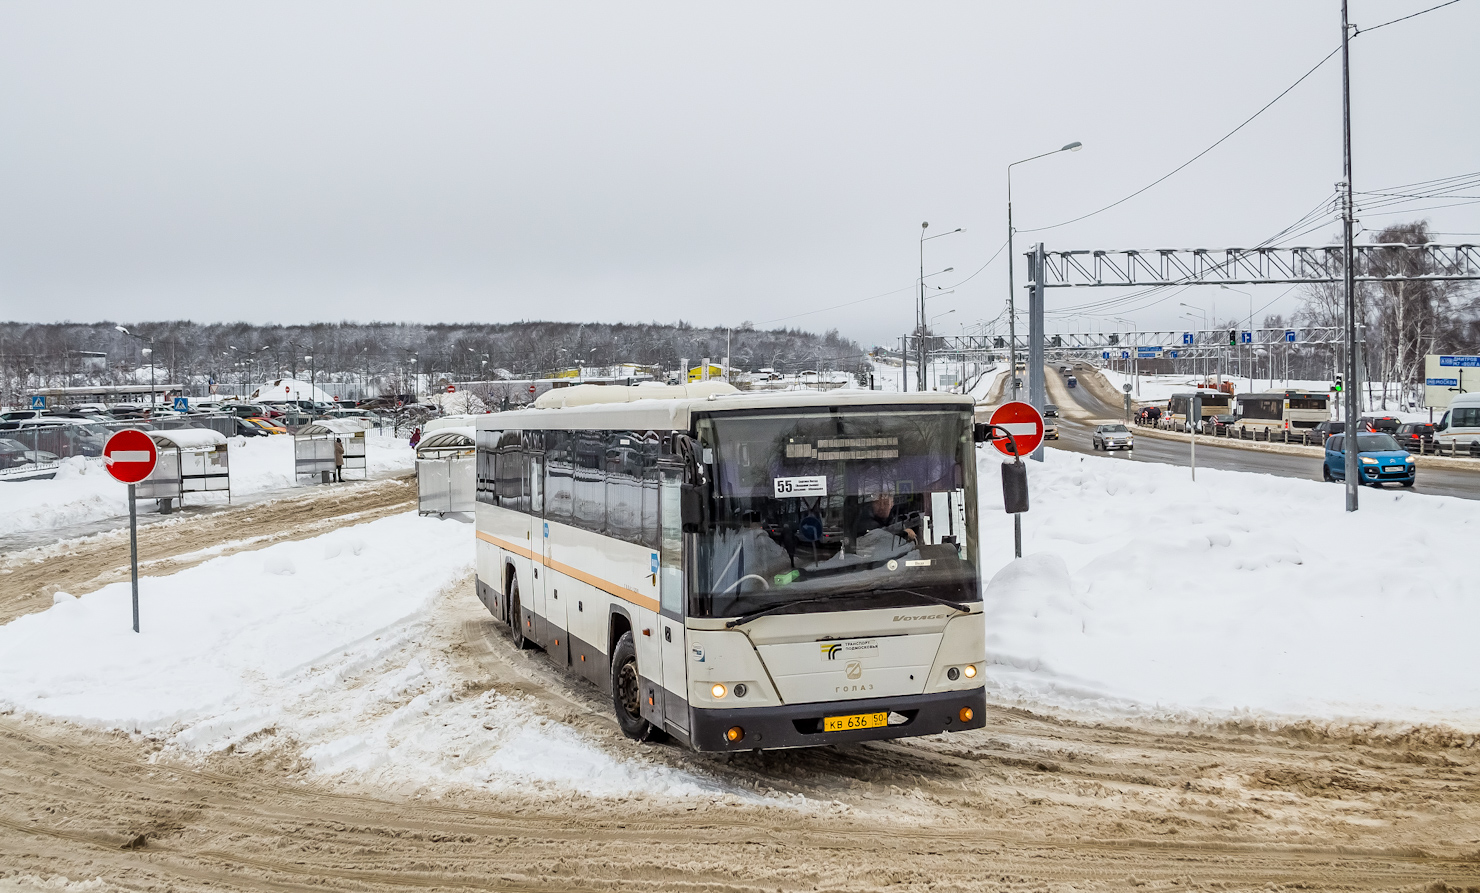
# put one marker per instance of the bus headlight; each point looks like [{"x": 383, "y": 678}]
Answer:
[
  {"x": 953, "y": 673},
  {"x": 718, "y": 691},
  {"x": 970, "y": 671},
  {"x": 734, "y": 733}
]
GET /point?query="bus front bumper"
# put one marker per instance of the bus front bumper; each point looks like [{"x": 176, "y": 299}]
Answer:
[{"x": 801, "y": 725}]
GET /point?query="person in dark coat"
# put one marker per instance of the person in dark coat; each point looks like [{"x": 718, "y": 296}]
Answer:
[
  {"x": 415, "y": 437},
  {"x": 338, "y": 460}
]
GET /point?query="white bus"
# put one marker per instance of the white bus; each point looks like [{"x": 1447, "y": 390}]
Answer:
[
  {"x": 1293, "y": 411},
  {"x": 743, "y": 571}
]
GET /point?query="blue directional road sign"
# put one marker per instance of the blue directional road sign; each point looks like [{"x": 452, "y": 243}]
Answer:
[
  {"x": 1104, "y": 354},
  {"x": 1147, "y": 353},
  {"x": 1246, "y": 337},
  {"x": 1173, "y": 353},
  {"x": 1187, "y": 338},
  {"x": 182, "y": 404},
  {"x": 1459, "y": 361},
  {"x": 1125, "y": 355},
  {"x": 38, "y": 402},
  {"x": 1290, "y": 335}
]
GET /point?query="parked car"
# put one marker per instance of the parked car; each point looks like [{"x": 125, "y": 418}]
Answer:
[
  {"x": 247, "y": 429},
  {"x": 1379, "y": 458},
  {"x": 1113, "y": 437},
  {"x": 1325, "y": 429},
  {"x": 268, "y": 427},
  {"x": 1384, "y": 424},
  {"x": 15, "y": 415},
  {"x": 1412, "y": 435},
  {"x": 14, "y": 454}
]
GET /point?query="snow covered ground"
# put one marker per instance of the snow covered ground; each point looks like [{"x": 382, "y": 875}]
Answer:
[
  {"x": 332, "y": 641},
  {"x": 1142, "y": 591},
  {"x": 82, "y": 492},
  {"x": 1141, "y": 594}
]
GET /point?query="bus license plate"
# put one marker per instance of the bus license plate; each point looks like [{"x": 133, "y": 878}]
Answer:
[{"x": 856, "y": 721}]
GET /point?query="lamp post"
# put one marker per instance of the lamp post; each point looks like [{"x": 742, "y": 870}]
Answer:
[
  {"x": 1012, "y": 259},
  {"x": 920, "y": 325},
  {"x": 148, "y": 352},
  {"x": 1249, "y": 372},
  {"x": 1135, "y": 352}
]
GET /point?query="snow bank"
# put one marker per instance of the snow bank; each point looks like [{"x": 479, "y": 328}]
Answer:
[
  {"x": 1140, "y": 590},
  {"x": 330, "y": 642},
  {"x": 82, "y": 492}
]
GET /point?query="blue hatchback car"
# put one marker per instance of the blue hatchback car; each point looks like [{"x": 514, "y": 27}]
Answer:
[{"x": 1378, "y": 456}]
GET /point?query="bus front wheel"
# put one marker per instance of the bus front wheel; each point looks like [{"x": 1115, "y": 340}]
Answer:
[{"x": 627, "y": 691}]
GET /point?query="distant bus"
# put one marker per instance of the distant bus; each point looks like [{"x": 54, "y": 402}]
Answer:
[
  {"x": 1294, "y": 411},
  {"x": 743, "y": 571},
  {"x": 1214, "y": 403}
]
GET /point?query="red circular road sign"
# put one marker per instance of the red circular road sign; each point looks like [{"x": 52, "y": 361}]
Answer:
[
  {"x": 1025, "y": 423},
  {"x": 452, "y": 389},
  {"x": 531, "y": 389},
  {"x": 129, "y": 455}
]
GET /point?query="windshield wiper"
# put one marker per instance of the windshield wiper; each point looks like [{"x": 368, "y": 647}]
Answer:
[
  {"x": 746, "y": 618},
  {"x": 928, "y": 597}
]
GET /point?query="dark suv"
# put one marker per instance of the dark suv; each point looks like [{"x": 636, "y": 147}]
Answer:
[
  {"x": 1325, "y": 429},
  {"x": 1411, "y": 435},
  {"x": 1382, "y": 424}
]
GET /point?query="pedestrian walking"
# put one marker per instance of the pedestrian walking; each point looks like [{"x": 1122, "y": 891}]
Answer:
[{"x": 338, "y": 460}]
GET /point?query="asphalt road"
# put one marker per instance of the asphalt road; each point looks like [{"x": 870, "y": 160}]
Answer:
[{"x": 1076, "y": 437}]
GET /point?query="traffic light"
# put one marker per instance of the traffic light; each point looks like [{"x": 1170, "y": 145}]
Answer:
[
  {"x": 1233, "y": 338},
  {"x": 1337, "y": 386}
]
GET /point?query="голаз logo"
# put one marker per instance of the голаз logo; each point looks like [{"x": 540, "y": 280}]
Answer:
[{"x": 832, "y": 650}]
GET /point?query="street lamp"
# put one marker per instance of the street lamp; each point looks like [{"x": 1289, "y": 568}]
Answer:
[
  {"x": 1250, "y": 370},
  {"x": 148, "y": 352},
  {"x": 1012, "y": 259},
  {"x": 920, "y": 314},
  {"x": 1135, "y": 352}
]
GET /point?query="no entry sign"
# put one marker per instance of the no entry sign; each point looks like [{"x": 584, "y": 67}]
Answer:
[
  {"x": 1025, "y": 424},
  {"x": 129, "y": 456}
]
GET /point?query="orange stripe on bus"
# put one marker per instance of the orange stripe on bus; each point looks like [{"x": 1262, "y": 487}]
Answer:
[{"x": 606, "y": 586}]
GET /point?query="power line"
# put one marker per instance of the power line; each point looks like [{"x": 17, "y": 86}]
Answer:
[
  {"x": 1403, "y": 18},
  {"x": 1189, "y": 161}
]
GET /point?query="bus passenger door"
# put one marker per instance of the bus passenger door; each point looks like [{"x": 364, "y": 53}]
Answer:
[{"x": 670, "y": 598}]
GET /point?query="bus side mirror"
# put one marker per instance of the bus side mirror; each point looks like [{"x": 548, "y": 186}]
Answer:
[
  {"x": 981, "y": 432},
  {"x": 691, "y": 508},
  {"x": 1014, "y": 487}
]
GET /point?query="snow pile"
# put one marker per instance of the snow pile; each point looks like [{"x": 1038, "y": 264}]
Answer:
[
  {"x": 82, "y": 492},
  {"x": 331, "y": 642},
  {"x": 1142, "y": 590}
]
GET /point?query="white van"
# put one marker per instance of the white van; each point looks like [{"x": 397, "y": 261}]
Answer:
[{"x": 1461, "y": 422}]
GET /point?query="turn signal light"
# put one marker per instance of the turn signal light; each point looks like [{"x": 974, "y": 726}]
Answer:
[
  {"x": 735, "y": 733},
  {"x": 966, "y": 714},
  {"x": 718, "y": 691},
  {"x": 969, "y": 670}
]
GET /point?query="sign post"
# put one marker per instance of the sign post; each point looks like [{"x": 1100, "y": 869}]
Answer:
[
  {"x": 1017, "y": 428},
  {"x": 1194, "y": 415},
  {"x": 129, "y": 457}
]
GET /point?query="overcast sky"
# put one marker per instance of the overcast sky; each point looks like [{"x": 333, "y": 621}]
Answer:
[{"x": 451, "y": 162}]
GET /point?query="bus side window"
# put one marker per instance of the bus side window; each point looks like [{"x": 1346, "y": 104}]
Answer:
[
  {"x": 590, "y": 480},
  {"x": 559, "y": 493},
  {"x": 652, "y": 449}
]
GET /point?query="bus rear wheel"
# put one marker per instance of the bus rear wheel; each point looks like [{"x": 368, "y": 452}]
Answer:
[
  {"x": 516, "y": 616},
  {"x": 627, "y": 691}
]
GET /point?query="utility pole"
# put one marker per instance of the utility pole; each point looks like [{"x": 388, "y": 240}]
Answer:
[{"x": 1353, "y": 467}]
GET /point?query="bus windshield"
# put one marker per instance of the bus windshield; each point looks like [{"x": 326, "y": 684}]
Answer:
[{"x": 840, "y": 510}]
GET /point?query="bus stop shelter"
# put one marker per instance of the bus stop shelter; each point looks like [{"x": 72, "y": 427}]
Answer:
[
  {"x": 191, "y": 460},
  {"x": 313, "y": 447},
  {"x": 444, "y": 471}
]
